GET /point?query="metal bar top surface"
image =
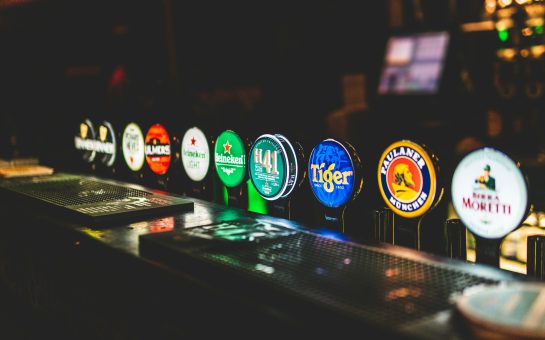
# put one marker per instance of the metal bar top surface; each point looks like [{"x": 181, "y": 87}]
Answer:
[{"x": 313, "y": 266}]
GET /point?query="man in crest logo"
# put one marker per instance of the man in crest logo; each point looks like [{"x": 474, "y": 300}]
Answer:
[
  {"x": 486, "y": 181},
  {"x": 403, "y": 183},
  {"x": 407, "y": 179}
]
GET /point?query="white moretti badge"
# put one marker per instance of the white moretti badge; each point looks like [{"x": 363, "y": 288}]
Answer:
[{"x": 489, "y": 193}]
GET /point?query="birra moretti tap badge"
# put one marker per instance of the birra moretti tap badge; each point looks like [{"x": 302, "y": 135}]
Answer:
[
  {"x": 489, "y": 193},
  {"x": 133, "y": 147},
  {"x": 230, "y": 158},
  {"x": 195, "y": 154},
  {"x": 407, "y": 179},
  {"x": 273, "y": 166},
  {"x": 84, "y": 140},
  {"x": 332, "y": 174},
  {"x": 158, "y": 149}
]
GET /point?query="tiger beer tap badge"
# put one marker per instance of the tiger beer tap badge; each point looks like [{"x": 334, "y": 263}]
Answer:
[
  {"x": 334, "y": 172},
  {"x": 407, "y": 179}
]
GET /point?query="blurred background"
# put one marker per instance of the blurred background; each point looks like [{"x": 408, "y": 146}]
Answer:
[{"x": 310, "y": 71}]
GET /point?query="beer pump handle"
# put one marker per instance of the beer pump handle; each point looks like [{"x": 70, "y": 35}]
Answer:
[
  {"x": 397, "y": 230},
  {"x": 535, "y": 264},
  {"x": 487, "y": 251},
  {"x": 407, "y": 232},
  {"x": 455, "y": 237},
  {"x": 384, "y": 225},
  {"x": 281, "y": 208},
  {"x": 334, "y": 218},
  {"x": 237, "y": 196}
]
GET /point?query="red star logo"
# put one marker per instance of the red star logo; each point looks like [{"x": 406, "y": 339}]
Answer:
[
  {"x": 193, "y": 140},
  {"x": 227, "y": 147}
]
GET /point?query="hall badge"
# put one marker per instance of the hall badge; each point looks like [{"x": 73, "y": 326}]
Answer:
[
  {"x": 407, "y": 179},
  {"x": 274, "y": 166}
]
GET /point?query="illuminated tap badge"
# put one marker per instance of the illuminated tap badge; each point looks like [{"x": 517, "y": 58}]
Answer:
[
  {"x": 84, "y": 140},
  {"x": 489, "y": 193},
  {"x": 158, "y": 149},
  {"x": 195, "y": 154},
  {"x": 230, "y": 158},
  {"x": 133, "y": 147},
  {"x": 407, "y": 179},
  {"x": 273, "y": 166},
  {"x": 332, "y": 173},
  {"x": 106, "y": 144}
]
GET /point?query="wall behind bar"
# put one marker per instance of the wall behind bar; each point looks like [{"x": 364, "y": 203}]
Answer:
[{"x": 309, "y": 70}]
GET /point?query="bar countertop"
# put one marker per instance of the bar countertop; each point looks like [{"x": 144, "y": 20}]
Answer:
[{"x": 96, "y": 279}]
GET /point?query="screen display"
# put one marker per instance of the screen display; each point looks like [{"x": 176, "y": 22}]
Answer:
[{"x": 413, "y": 64}]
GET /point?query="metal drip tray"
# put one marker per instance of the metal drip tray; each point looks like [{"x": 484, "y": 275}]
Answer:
[
  {"x": 361, "y": 282},
  {"x": 93, "y": 200}
]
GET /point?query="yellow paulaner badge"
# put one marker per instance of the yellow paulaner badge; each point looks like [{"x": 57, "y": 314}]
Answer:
[{"x": 407, "y": 179}]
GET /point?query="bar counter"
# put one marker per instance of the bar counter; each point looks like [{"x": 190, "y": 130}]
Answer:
[{"x": 100, "y": 282}]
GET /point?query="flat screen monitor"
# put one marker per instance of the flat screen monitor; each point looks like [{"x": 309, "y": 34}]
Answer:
[{"x": 414, "y": 63}]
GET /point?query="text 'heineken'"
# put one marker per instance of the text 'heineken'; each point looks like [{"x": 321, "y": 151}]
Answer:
[
  {"x": 195, "y": 154},
  {"x": 230, "y": 158}
]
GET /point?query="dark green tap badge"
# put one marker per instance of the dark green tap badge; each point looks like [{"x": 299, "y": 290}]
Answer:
[{"x": 273, "y": 166}]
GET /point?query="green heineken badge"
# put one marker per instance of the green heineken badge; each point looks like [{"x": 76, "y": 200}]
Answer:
[
  {"x": 273, "y": 166},
  {"x": 230, "y": 158}
]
